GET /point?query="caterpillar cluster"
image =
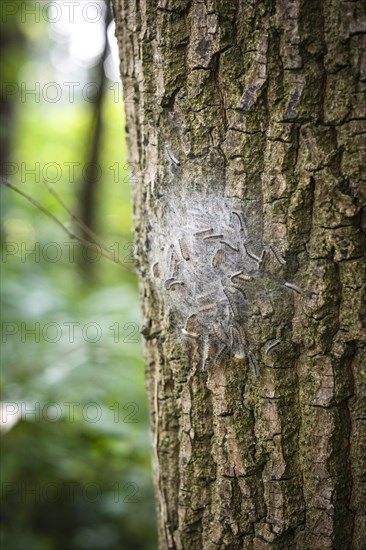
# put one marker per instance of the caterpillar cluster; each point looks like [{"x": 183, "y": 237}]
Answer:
[{"x": 210, "y": 266}]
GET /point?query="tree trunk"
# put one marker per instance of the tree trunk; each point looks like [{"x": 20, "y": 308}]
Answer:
[{"x": 246, "y": 124}]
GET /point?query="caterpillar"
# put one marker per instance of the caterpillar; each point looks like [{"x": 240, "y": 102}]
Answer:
[
  {"x": 193, "y": 335},
  {"x": 221, "y": 353},
  {"x": 190, "y": 320},
  {"x": 239, "y": 347},
  {"x": 254, "y": 363},
  {"x": 230, "y": 300},
  {"x": 175, "y": 283},
  {"x": 241, "y": 290},
  {"x": 206, "y": 350},
  {"x": 156, "y": 270},
  {"x": 242, "y": 223},
  {"x": 229, "y": 245},
  {"x": 219, "y": 333},
  {"x": 203, "y": 232},
  {"x": 241, "y": 276},
  {"x": 250, "y": 254},
  {"x": 172, "y": 156},
  {"x": 173, "y": 262},
  {"x": 218, "y": 258},
  {"x": 213, "y": 237},
  {"x": 271, "y": 346},
  {"x": 175, "y": 269},
  {"x": 184, "y": 249},
  {"x": 168, "y": 282},
  {"x": 293, "y": 287},
  {"x": 277, "y": 255},
  {"x": 207, "y": 307}
]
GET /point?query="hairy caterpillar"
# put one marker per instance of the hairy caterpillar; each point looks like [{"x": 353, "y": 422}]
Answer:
[
  {"x": 293, "y": 287},
  {"x": 203, "y": 233},
  {"x": 213, "y": 237},
  {"x": 229, "y": 245},
  {"x": 271, "y": 346},
  {"x": 184, "y": 249},
  {"x": 250, "y": 254},
  {"x": 277, "y": 255},
  {"x": 219, "y": 332},
  {"x": 230, "y": 300},
  {"x": 218, "y": 258},
  {"x": 171, "y": 156},
  {"x": 175, "y": 283},
  {"x": 242, "y": 224},
  {"x": 254, "y": 363}
]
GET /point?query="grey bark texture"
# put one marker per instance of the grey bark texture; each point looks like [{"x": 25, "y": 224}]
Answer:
[{"x": 260, "y": 105}]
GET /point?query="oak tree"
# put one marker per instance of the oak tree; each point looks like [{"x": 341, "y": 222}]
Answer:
[{"x": 245, "y": 128}]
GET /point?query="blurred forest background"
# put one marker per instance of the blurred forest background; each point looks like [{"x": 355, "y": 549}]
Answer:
[{"x": 76, "y": 466}]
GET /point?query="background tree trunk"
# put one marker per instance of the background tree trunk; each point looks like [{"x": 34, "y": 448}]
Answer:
[{"x": 256, "y": 108}]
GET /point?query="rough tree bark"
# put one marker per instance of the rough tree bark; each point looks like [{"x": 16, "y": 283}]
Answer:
[{"x": 260, "y": 105}]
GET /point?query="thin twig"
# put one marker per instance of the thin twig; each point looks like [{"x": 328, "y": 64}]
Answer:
[
  {"x": 73, "y": 216},
  {"x": 69, "y": 233}
]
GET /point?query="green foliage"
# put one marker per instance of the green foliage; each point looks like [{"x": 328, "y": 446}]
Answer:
[
  {"x": 68, "y": 445},
  {"x": 72, "y": 477}
]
